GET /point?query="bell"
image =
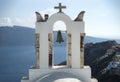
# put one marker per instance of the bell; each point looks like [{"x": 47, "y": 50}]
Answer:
[{"x": 59, "y": 37}]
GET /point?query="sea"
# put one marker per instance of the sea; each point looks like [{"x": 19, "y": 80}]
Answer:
[{"x": 16, "y": 60}]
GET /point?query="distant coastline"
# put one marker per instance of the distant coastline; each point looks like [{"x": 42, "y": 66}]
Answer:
[{"x": 19, "y": 35}]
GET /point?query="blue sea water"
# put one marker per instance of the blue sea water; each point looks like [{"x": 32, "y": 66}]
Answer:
[
  {"x": 16, "y": 60},
  {"x": 59, "y": 54}
]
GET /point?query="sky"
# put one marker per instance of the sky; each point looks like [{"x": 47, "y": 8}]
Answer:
[{"x": 102, "y": 17}]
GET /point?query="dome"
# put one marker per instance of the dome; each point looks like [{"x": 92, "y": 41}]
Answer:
[{"x": 59, "y": 77}]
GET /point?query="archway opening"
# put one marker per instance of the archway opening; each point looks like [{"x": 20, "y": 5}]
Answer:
[{"x": 59, "y": 49}]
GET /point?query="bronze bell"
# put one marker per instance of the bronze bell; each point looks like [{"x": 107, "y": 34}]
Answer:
[{"x": 59, "y": 37}]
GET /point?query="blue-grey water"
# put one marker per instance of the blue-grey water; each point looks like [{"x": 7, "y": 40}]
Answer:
[
  {"x": 59, "y": 49},
  {"x": 16, "y": 60},
  {"x": 59, "y": 54}
]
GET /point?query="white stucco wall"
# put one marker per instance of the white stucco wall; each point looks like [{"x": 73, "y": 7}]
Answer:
[{"x": 73, "y": 27}]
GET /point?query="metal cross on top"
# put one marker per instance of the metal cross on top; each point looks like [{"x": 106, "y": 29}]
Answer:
[{"x": 60, "y": 7}]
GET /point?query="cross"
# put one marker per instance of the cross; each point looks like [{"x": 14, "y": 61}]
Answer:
[{"x": 60, "y": 7}]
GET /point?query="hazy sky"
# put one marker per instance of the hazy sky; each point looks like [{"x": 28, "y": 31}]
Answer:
[{"x": 102, "y": 17}]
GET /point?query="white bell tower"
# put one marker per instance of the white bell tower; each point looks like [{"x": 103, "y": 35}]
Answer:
[
  {"x": 75, "y": 47},
  {"x": 75, "y": 36}
]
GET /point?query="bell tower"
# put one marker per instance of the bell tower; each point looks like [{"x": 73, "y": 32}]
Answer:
[
  {"x": 75, "y": 47},
  {"x": 75, "y": 39}
]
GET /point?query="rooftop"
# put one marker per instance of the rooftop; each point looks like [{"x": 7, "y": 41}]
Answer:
[{"x": 59, "y": 77}]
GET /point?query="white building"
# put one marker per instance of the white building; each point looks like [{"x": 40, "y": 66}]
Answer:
[
  {"x": 115, "y": 63},
  {"x": 74, "y": 71}
]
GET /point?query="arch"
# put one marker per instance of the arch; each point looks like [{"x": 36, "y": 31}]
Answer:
[
  {"x": 67, "y": 22},
  {"x": 59, "y": 49},
  {"x": 59, "y": 17},
  {"x": 59, "y": 25}
]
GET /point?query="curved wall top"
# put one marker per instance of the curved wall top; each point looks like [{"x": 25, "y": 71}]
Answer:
[{"x": 59, "y": 17}]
